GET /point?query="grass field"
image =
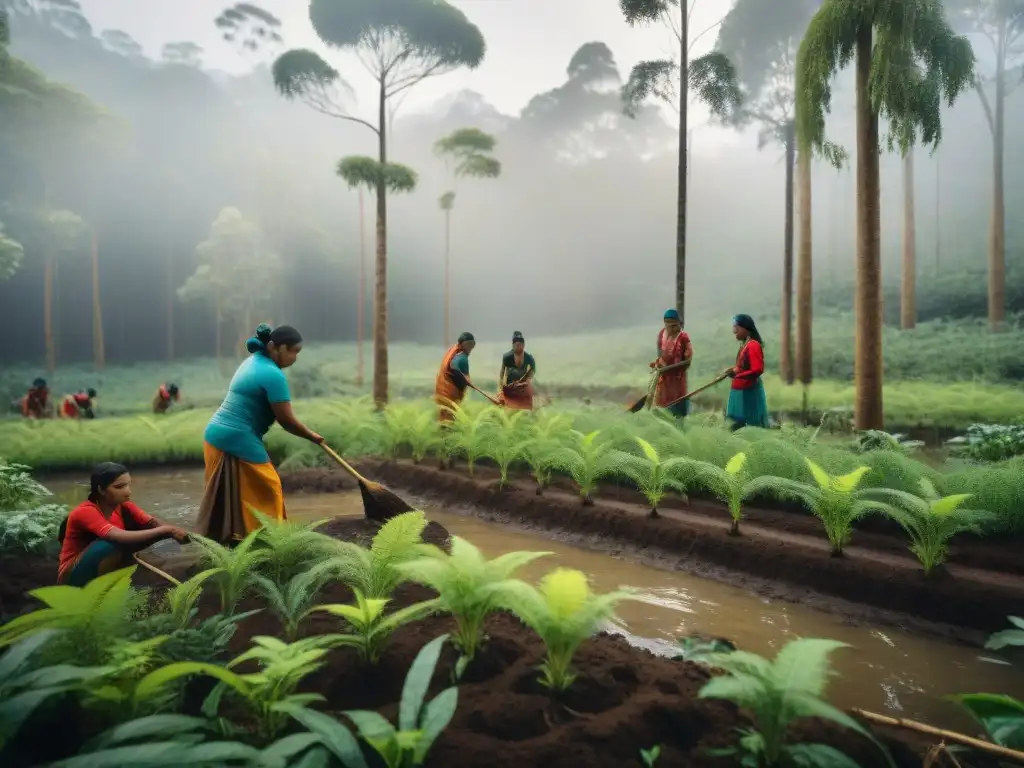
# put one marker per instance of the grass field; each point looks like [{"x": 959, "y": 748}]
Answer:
[{"x": 940, "y": 375}]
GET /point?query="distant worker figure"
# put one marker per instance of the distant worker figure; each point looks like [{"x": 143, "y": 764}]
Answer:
[
  {"x": 103, "y": 533},
  {"x": 675, "y": 352},
  {"x": 239, "y": 473},
  {"x": 167, "y": 393},
  {"x": 516, "y": 377},
  {"x": 747, "y": 406},
  {"x": 78, "y": 405},
  {"x": 35, "y": 404},
  {"x": 448, "y": 387}
]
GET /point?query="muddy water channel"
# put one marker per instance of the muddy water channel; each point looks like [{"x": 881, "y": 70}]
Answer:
[{"x": 886, "y": 670}]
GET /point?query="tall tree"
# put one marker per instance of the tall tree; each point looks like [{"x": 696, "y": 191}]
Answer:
[
  {"x": 1001, "y": 24},
  {"x": 908, "y": 271},
  {"x": 237, "y": 273},
  {"x": 711, "y": 78},
  {"x": 400, "y": 43},
  {"x": 760, "y": 37},
  {"x": 59, "y": 233},
  {"x": 888, "y": 43},
  {"x": 468, "y": 153}
]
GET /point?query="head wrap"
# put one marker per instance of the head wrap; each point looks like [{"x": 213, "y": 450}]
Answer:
[
  {"x": 90, "y": 392},
  {"x": 518, "y": 336},
  {"x": 39, "y": 384},
  {"x": 747, "y": 323},
  {"x": 102, "y": 476},
  {"x": 672, "y": 314},
  {"x": 465, "y": 336}
]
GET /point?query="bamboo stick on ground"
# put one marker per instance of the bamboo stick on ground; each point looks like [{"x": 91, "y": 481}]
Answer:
[{"x": 959, "y": 738}]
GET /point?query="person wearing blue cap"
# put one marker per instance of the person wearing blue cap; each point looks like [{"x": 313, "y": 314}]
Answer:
[{"x": 675, "y": 352}]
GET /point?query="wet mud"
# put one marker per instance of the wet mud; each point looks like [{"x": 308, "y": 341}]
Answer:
[
  {"x": 625, "y": 699},
  {"x": 776, "y": 546}
]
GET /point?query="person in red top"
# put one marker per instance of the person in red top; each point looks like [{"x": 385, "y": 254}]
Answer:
[
  {"x": 34, "y": 404},
  {"x": 747, "y": 406},
  {"x": 165, "y": 395},
  {"x": 78, "y": 405},
  {"x": 102, "y": 534},
  {"x": 675, "y": 353}
]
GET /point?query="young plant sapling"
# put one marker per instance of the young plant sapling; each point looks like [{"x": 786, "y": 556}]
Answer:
[
  {"x": 508, "y": 442},
  {"x": 292, "y": 546},
  {"x": 776, "y": 693},
  {"x": 563, "y": 612},
  {"x": 469, "y": 587},
  {"x": 654, "y": 477},
  {"x": 237, "y": 566},
  {"x": 931, "y": 521},
  {"x": 587, "y": 461},
  {"x": 473, "y": 431},
  {"x": 293, "y": 602},
  {"x": 373, "y": 571},
  {"x": 372, "y": 627},
  {"x": 419, "y": 723},
  {"x": 731, "y": 484}
]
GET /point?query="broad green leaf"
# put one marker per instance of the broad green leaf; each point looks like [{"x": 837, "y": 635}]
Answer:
[
  {"x": 821, "y": 477},
  {"x": 802, "y": 665},
  {"x": 948, "y": 504},
  {"x": 153, "y": 683},
  {"x": 18, "y": 654},
  {"x": 417, "y": 681},
  {"x": 335, "y": 736},
  {"x": 649, "y": 451},
  {"x": 998, "y": 714},
  {"x": 439, "y": 712},
  {"x": 848, "y": 483},
  {"x": 818, "y": 756},
  {"x": 165, "y": 726}
]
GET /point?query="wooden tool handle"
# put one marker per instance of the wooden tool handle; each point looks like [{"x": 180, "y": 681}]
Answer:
[
  {"x": 697, "y": 391},
  {"x": 157, "y": 571},
  {"x": 475, "y": 388},
  {"x": 342, "y": 463}
]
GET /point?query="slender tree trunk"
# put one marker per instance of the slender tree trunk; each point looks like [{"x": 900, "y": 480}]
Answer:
[
  {"x": 786, "y": 337},
  {"x": 380, "y": 295},
  {"x": 684, "y": 97},
  {"x": 997, "y": 228},
  {"x": 447, "y": 277},
  {"x": 51, "y": 348},
  {"x": 361, "y": 297},
  {"x": 868, "y": 296},
  {"x": 804, "y": 275},
  {"x": 98, "y": 351},
  {"x": 908, "y": 279},
  {"x": 170, "y": 302}
]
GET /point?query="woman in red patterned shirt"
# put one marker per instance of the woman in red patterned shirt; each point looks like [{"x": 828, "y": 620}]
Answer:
[
  {"x": 675, "y": 353},
  {"x": 748, "y": 406},
  {"x": 102, "y": 534}
]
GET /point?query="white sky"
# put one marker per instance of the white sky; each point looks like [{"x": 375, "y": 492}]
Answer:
[{"x": 529, "y": 42}]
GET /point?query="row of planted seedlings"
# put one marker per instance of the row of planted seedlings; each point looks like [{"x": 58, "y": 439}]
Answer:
[
  {"x": 125, "y": 660},
  {"x": 545, "y": 444}
]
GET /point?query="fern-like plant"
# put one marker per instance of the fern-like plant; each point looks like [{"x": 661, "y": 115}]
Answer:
[
  {"x": 373, "y": 571},
  {"x": 372, "y": 627},
  {"x": 835, "y": 501},
  {"x": 472, "y": 431},
  {"x": 508, "y": 442},
  {"x": 563, "y": 612},
  {"x": 542, "y": 448},
  {"x": 587, "y": 460},
  {"x": 653, "y": 476},
  {"x": 422, "y": 434},
  {"x": 236, "y": 566},
  {"x": 292, "y": 546},
  {"x": 776, "y": 693},
  {"x": 293, "y": 601},
  {"x": 92, "y": 618},
  {"x": 931, "y": 520},
  {"x": 469, "y": 586},
  {"x": 731, "y": 484}
]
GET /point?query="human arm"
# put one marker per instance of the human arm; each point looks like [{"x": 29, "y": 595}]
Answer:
[
  {"x": 144, "y": 521},
  {"x": 88, "y": 516},
  {"x": 460, "y": 363},
  {"x": 290, "y": 423}
]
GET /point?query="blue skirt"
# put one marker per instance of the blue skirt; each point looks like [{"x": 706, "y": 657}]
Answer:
[{"x": 748, "y": 407}]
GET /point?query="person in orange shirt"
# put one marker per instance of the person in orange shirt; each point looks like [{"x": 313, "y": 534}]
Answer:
[
  {"x": 35, "y": 404},
  {"x": 675, "y": 352},
  {"x": 449, "y": 389},
  {"x": 78, "y": 405},
  {"x": 104, "y": 532},
  {"x": 747, "y": 406}
]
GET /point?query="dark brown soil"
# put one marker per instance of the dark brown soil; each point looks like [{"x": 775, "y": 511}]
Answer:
[
  {"x": 624, "y": 699},
  {"x": 875, "y": 571}
]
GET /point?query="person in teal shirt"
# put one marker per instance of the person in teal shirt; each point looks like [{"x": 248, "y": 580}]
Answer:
[{"x": 239, "y": 474}]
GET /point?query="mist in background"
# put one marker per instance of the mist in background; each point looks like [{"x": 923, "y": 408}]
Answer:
[{"x": 578, "y": 233}]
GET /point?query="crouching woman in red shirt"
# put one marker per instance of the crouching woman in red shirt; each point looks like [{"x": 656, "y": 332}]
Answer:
[
  {"x": 747, "y": 406},
  {"x": 102, "y": 534}
]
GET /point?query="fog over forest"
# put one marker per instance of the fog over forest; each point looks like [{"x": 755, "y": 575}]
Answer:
[{"x": 578, "y": 232}]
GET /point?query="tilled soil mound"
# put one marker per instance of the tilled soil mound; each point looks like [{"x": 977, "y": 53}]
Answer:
[
  {"x": 877, "y": 570},
  {"x": 624, "y": 699}
]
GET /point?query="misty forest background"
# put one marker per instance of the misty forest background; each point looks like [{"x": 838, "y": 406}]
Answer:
[{"x": 578, "y": 233}]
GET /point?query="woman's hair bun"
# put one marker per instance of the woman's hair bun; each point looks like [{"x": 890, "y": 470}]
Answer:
[{"x": 263, "y": 332}]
